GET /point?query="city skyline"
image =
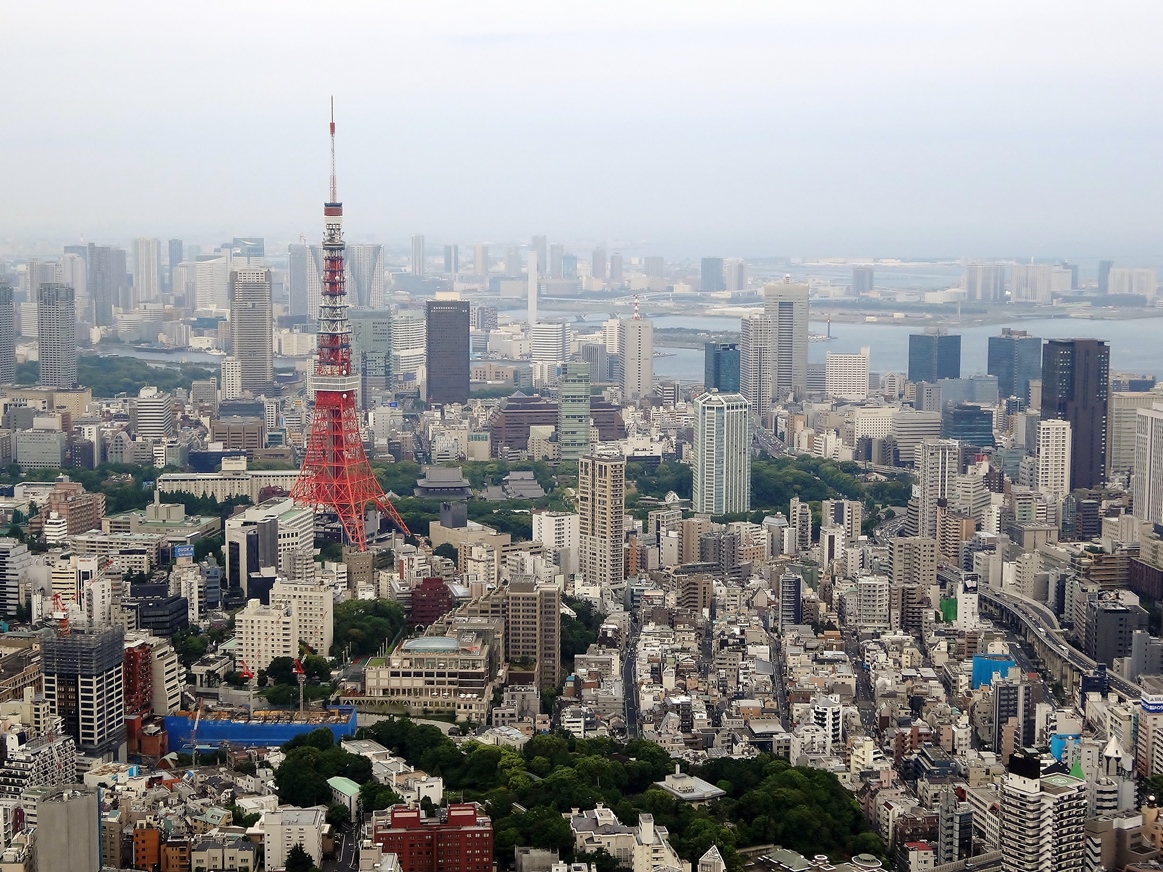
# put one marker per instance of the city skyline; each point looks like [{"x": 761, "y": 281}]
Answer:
[{"x": 707, "y": 150}]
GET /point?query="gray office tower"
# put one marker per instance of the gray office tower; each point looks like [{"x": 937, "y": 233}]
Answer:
[
  {"x": 539, "y": 244},
  {"x": 7, "y": 335},
  {"x": 68, "y": 826},
  {"x": 934, "y": 354},
  {"x": 573, "y": 410},
  {"x": 712, "y": 274},
  {"x": 1015, "y": 358},
  {"x": 56, "y": 325},
  {"x": 177, "y": 255},
  {"x": 300, "y": 263},
  {"x": 862, "y": 280},
  {"x": 83, "y": 684},
  {"x": 106, "y": 281},
  {"x": 448, "y": 350},
  {"x": 451, "y": 259},
  {"x": 1075, "y": 388},
  {"x": 1104, "y": 275},
  {"x": 721, "y": 367},
  {"x": 251, "y": 328},
  {"x": 371, "y": 346}
]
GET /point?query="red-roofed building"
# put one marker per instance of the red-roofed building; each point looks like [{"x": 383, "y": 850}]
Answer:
[{"x": 459, "y": 839}]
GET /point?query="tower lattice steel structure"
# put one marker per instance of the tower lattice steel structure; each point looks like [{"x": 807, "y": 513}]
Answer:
[{"x": 336, "y": 476}]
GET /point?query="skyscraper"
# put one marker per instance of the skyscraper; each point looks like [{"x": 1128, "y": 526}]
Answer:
[
  {"x": 1075, "y": 388},
  {"x": 147, "y": 270},
  {"x": 1054, "y": 450},
  {"x": 846, "y": 375},
  {"x": 985, "y": 282},
  {"x": 615, "y": 268},
  {"x": 786, "y": 306},
  {"x": 711, "y": 275},
  {"x": 1104, "y": 272},
  {"x": 636, "y": 357},
  {"x": 573, "y": 410},
  {"x": 7, "y": 334},
  {"x": 655, "y": 267},
  {"x": 721, "y": 367},
  {"x": 371, "y": 347},
  {"x": 938, "y": 463},
  {"x": 862, "y": 280},
  {"x": 598, "y": 264},
  {"x": 177, "y": 254},
  {"x": 106, "y": 279},
  {"x": 1148, "y": 485},
  {"x": 304, "y": 280},
  {"x": 1040, "y": 818},
  {"x": 556, "y": 255},
  {"x": 452, "y": 259},
  {"x": 56, "y": 324},
  {"x": 933, "y": 355},
  {"x": 538, "y": 245},
  {"x": 534, "y": 274},
  {"x": 448, "y": 350},
  {"x": 365, "y": 270},
  {"x": 755, "y": 350},
  {"x": 722, "y": 468},
  {"x": 251, "y": 319},
  {"x": 480, "y": 260},
  {"x": 1016, "y": 359},
  {"x": 418, "y": 255},
  {"x": 601, "y": 501},
  {"x": 83, "y": 683}
]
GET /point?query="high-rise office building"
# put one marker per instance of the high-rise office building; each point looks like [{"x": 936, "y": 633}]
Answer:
[
  {"x": 534, "y": 289},
  {"x": 755, "y": 350},
  {"x": 636, "y": 357},
  {"x": 1075, "y": 388},
  {"x": 615, "y": 268},
  {"x": 721, "y": 367},
  {"x": 418, "y": 257},
  {"x": 513, "y": 261},
  {"x": 1104, "y": 272},
  {"x": 1032, "y": 283},
  {"x": 371, "y": 347},
  {"x": 573, "y": 410},
  {"x": 365, "y": 276},
  {"x": 711, "y": 275},
  {"x": 480, "y": 260},
  {"x": 985, "y": 282},
  {"x": 539, "y": 245},
  {"x": 176, "y": 254},
  {"x": 862, "y": 280},
  {"x": 1122, "y": 430},
  {"x": 251, "y": 317},
  {"x": 230, "y": 377},
  {"x": 549, "y": 342},
  {"x": 7, "y": 334},
  {"x": 56, "y": 320},
  {"x": 447, "y": 343},
  {"x": 533, "y": 627},
  {"x": 14, "y": 559},
  {"x": 735, "y": 274},
  {"x": 106, "y": 266},
  {"x": 1015, "y": 358},
  {"x": 83, "y": 684},
  {"x": 933, "y": 355},
  {"x": 938, "y": 463},
  {"x": 846, "y": 375},
  {"x": 1139, "y": 281},
  {"x": 452, "y": 259},
  {"x": 1148, "y": 480},
  {"x": 569, "y": 266},
  {"x": 722, "y": 443},
  {"x": 598, "y": 264},
  {"x": 556, "y": 256},
  {"x": 601, "y": 509},
  {"x": 152, "y": 414},
  {"x": 300, "y": 266},
  {"x": 1054, "y": 453},
  {"x": 68, "y": 823},
  {"x": 147, "y": 270},
  {"x": 655, "y": 267},
  {"x": 785, "y": 305}
]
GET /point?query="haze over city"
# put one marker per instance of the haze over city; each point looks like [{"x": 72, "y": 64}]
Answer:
[{"x": 899, "y": 129}]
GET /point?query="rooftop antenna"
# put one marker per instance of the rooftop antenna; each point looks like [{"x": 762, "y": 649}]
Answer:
[
  {"x": 334, "y": 195},
  {"x": 637, "y": 314}
]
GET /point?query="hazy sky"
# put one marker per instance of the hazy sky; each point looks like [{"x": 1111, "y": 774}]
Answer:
[{"x": 857, "y": 128}]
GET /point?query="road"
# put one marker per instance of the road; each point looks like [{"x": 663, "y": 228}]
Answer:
[
  {"x": 630, "y": 684},
  {"x": 865, "y": 698},
  {"x": 346, "y": 856}
]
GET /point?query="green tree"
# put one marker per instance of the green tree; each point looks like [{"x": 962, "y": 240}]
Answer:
[
  {"x": 448, "y": 550},
  {"x": 364, "y": 626},
  {"x": 338, "y": 815},
  {"x": 298, "y": 860}
]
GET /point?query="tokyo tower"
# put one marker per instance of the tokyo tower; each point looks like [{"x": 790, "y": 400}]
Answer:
[{"x": 336, "y": 476}]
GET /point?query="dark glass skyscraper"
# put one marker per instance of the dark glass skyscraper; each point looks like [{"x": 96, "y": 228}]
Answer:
[
  {"x": 1015, "y": 358},
  {"x": 968, "y": 423},
  {"x": 447, "y": 351},
  {"x": 7, "y": 334},
  {"x": 712, "y": 274},
  {"x": 721, "y": 367},
  {"x": 1075, "y": 387},
  {"x": 1104, "y": 275},
  {"x": 933, "y": 355}
]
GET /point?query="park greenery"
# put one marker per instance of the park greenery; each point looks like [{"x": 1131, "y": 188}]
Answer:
[
  {"x": 110, "y": 375},
  {"x": 363, "y": 626},
  {"x": 526, "y": 792}
]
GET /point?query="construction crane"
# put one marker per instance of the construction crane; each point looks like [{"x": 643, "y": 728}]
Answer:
[
  {"x": 301, "y": 674},
  {"x": 245, "y": 673},
  {"x": 194, "y": 735},
  {"x": 60, "y": 614}
]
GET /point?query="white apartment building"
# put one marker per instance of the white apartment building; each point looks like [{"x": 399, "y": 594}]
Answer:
[
  {"x": 287, "y": 827},
  {"x": 266, "y": 632},
  {"x": 1054, "y": 451},
  {"x": 722, "y": 467},
  {"x": 938, "y": 463},
  {"x": 557, "y": 531},
  {"x": 1148, "y": 479},
  {"x": 314, "y": 609}
]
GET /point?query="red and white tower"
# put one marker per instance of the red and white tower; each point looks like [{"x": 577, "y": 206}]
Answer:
[{"x": 336, "y": 476}]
